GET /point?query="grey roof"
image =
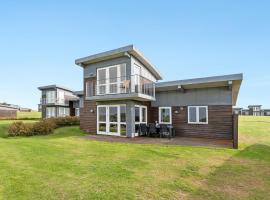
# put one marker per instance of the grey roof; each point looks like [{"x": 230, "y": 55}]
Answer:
[
  {"x": 130, "y": 49},
  {"x": 250, "y": 106},
  {"x": 53, "y": 87},
  {"x": 79, "y": 93},
  {"x": 206, "y": 82}
]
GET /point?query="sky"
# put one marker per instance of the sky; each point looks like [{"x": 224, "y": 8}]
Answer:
[{"x": 40, "y": 40}]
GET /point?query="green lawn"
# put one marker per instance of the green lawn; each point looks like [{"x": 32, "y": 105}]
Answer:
[
  {"x": 32, "y": 114},
  {"x": 66, "y": 166}
]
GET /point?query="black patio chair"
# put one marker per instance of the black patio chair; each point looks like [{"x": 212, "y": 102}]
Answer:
[
  {"x": 152, "y": 130},
  {"x": 164, "y": 131},
  {"x": 143, "y": 130}
]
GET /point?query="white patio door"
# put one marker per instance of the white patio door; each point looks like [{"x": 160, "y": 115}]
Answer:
[{"x": 108, "y": 118}]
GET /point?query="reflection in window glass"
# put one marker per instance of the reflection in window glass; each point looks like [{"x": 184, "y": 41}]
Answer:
[
  {"x": 123, "y": 130},
  {"x": 102, "y": 127},
  {"x": 143, "y": 114},
  {"x": 165, "y": 115},
  {"x": 113, "y": 114},
  {"x": 202, "y": 114},
  {"x": 137, "y": 114},
  {"x": 192, "y": 114},
  {"x": 102, "y": 114},
  {"x": 113, "y": 128}
]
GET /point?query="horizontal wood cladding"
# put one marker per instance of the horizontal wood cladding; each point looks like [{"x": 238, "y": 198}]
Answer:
[
  {"x": 219, "y": 125},
  {"x": 88, "y": 120}
]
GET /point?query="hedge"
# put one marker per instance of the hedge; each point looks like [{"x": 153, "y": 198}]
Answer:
[{"x": 43, "y": 127}]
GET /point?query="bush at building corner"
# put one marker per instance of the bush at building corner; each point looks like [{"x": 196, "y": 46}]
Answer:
[{"x": 43, "y": 127}]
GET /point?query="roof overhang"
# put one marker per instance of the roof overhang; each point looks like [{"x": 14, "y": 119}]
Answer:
[
  {"x": 233, "y": 81},
  {"x": 54, "y": 87},
  {"x": 123, "y": 51}
]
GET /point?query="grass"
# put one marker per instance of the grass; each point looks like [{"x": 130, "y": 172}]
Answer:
[
  {"x": 66, "y": 166},
  {"x": 31, "y": 115}
]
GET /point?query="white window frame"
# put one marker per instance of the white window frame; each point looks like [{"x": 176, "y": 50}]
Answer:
[
  {"x": 197, "y": 115},
  {"x": 107, "y": 122},
  {"x": 159, "y": 115},
  {"x": 140, "y": 116},
  {"x": 50, "y": 96},
  {"x": 107, "y": 79},
  {"x": 50, "y": 113}
]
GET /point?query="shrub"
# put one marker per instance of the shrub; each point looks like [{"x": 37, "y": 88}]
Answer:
[
  {"x": 20, "y": 129},
  {"x": 64, "y": 121},
  {"x": 43, "y": 127}
]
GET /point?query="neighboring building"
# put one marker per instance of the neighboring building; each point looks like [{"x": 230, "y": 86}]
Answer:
[
  {"x": 255, "y": 110},
  {"x": 10, "y": 110},
  {"x": 266, "y": 112},
  {"x": 238, "y": 111},
  {"x": 121, "y": 92},
  {"x": 58, "y": 101},
  {"x": 245, "y": 112},
  {"x": 7, "y": 111}
]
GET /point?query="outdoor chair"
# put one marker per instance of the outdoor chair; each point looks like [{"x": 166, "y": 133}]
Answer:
[
  {"x": 152, "y": 131},
  {"x": 143, "y": 130},
  {"x": 164, "y": 131}
]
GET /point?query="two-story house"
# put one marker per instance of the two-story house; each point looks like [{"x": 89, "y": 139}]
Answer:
[
  {"x": 121, "y": 91},
  {"x": 255, "y": 110},
  {"x": 58, "y": 101}
]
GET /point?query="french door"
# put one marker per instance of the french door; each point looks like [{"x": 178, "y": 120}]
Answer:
[{"x": 111, "y": 120}]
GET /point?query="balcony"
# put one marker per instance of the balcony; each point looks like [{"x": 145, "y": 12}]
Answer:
[
  {"x": 58, "y": 101},
  {"x": 125, "y": 87}
]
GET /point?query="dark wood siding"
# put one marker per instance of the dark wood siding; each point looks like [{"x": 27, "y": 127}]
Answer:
[
  {"x": 88, "y": 120},
  {"x": 219, "y": 122}
]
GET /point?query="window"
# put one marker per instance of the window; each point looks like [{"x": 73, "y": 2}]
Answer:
[
  {"x": 140, "y": 117},
  {"x": 50, "y": 112},
  {"x": 165, "y": 115},
  {"x": 61, "y": 97},
  {"x": 89, "y": 91},
  {"x": 110, "y": 79},
  {"x": 111, "y": 119},
  {"x": 50, "y": 97},
  {"x": 77, "y": 112},
  {"x": 62, "y": 112},
  {"x": 198, "y": 115}
]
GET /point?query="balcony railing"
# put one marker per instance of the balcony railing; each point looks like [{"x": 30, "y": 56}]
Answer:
[
  {"x": 54, "y": 101},
  {"x": 121, "y": 85}
]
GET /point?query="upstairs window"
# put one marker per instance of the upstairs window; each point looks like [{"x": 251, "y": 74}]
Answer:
[
  {"x": 110, "y": 79},
  {"x": 50, "y": 96},
  {"x": 197, "y": 114}
]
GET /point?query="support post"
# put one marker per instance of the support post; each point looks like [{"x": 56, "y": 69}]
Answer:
[{"x": 235, "y": 130}]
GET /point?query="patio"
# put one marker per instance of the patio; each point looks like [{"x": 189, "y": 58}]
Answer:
[{"x": 187, "y": 141}]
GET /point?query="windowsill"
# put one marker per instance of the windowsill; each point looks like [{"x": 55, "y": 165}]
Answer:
[{"x": 197, "y": 122}]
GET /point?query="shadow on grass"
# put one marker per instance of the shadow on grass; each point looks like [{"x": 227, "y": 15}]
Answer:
[{"x": 246, "y": 175}]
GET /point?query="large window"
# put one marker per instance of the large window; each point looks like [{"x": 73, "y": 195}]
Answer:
[
  {"x": 140, "y": 117},
  {"x": 61, "y": 97},
  {"x": 50, "y": 96},
  {"x": 62, "y": 112},
  {"x": 111, "y": 119},
  {"x": 197, "y": 114},
  {"x": 165, "y": 115},
  {"x": 50, "y": 112},
  {"x": 110, "y": 79}
]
